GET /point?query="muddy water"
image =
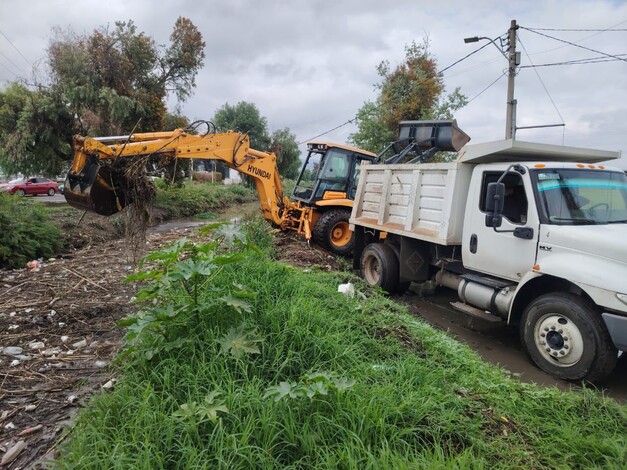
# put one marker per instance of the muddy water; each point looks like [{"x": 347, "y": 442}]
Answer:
[
  {"x": 232, "y": 214},
  {"x": 500, "y": 344}
]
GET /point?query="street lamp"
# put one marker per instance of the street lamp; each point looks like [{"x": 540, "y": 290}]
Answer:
[{"x": 513, "y": 58}]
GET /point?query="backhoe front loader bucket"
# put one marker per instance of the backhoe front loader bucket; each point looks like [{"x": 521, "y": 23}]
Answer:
[{"x": 95, "y": 188}]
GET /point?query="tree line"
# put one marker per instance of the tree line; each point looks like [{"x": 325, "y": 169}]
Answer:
[{"x": 116, "y": 80}]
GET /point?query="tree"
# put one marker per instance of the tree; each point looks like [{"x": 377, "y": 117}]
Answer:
[
  {"x": 284, "y": 145},
  {"x": 246, "y": 118},
  {"x": 411, "y": 91},
  {"x": 106, "y": 83}
]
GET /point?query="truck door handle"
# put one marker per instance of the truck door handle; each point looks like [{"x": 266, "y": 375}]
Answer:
[{"x": 473, "y": 243}]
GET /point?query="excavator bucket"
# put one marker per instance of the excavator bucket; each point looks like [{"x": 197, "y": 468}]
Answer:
[
  {"x": 95, "y": 189},
  {"x": 442, "y": 134}
]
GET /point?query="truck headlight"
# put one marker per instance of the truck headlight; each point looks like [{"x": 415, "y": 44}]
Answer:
[{"x": 622, "y": 298}]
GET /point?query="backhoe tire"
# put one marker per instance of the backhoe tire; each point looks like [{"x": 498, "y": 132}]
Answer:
[
  {"x": 566, "y": 337},
  {"x": 333, "y": 233},
  {"x": 379, "y": 267}
]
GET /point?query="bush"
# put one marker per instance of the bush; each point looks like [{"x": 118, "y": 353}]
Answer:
[
  {"x": 196, "y": 198},
  {"x": 26, "y": 232}
]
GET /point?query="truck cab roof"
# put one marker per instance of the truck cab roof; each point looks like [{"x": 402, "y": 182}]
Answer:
[{"x": 519, "y": 151}]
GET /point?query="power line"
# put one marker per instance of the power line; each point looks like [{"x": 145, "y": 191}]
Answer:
[
  {"x": 573, "y": 44},
  {"x": 18, "y": 68},
  {"x": 582, "y": 30},
  {"x": 15, "y": 47},
  {"x": 542, "y": 82},
  {"x": 486, "y": 88},
  {"x": 590, "y": 60},
  {"x": 350, "y": 121}
]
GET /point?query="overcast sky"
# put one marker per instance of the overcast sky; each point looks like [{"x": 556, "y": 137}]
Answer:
[{"x": 310, "y": 64}]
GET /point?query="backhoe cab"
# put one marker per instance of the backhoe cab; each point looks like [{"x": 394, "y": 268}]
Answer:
[{"x": 327, "y": 182}]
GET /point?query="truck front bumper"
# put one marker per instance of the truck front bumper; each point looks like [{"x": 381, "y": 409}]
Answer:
[{"x": 617, "y": 326}]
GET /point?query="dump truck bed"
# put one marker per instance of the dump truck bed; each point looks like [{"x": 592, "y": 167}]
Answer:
[{"x": 425, "y": 201}]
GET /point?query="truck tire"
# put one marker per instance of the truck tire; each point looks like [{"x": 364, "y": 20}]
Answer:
[
  {"x": 379, "y": 267},
  {"x": 565, "y": 336},
  {"x": 333, "y": 233}
]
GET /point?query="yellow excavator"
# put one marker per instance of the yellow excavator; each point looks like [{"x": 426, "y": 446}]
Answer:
[{"x": 108, "y": 173}]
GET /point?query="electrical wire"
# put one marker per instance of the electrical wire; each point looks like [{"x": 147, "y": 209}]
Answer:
[
  {"x": 590, "y": 60},
  {"x": 15, "y": 47},
  {"x": 573, "y": 44},
  {"x": 439, "y": 73},
  {"x": 542, "y": 81},
  {"x": 486, "y": 88},
  {"x": 580, "y": 30}
]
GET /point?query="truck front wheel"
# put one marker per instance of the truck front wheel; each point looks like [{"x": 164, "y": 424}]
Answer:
[
  {"x": 380, "y": 266},
  {"x": 565, "y": 336}
]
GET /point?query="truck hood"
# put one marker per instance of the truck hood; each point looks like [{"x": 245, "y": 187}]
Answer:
[{"x": 608, "y": 241}]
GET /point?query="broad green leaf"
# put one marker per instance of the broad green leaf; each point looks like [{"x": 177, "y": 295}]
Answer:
[
  {"x": 238, "y": 304},
  {"x": 343, "y": 383},
  {"x": 237, "y": 342}
]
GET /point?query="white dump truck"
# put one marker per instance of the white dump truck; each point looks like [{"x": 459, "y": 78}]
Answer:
[{"x": 530, "y": 234}]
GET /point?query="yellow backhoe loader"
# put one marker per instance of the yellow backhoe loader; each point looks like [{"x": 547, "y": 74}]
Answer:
[{"x": 106, "y": 176}]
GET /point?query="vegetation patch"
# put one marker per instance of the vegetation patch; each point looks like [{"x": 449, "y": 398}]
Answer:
[
  {"x": 193, "y": 198},
  {"x": 236, "y": 361},
  {"x": 26, "y": 232}
]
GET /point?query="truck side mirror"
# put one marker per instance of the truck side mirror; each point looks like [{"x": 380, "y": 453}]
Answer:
[{"x": 494, "y": 203}]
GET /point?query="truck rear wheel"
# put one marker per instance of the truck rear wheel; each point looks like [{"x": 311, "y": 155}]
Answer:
[
  {"x": 379, "y": 266},
  {"x": 332, "y": 231},
  {"x": 566, "y": 337}
]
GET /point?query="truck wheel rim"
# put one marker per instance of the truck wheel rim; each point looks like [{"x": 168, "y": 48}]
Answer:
[
  {"x": 372, "y": 270},
  {"x": 340, "y": 234},
  {"x": 559, "y": 340}
]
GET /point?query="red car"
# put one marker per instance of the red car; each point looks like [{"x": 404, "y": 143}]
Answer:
[{"x": 33, "y": 186}]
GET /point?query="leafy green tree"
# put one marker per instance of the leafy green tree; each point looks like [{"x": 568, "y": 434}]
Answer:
[
  {"x": 413, "y": 90},
  {"x": 246, "y": 118},
  {"x": 284, "y": 145},
  {"x": 106, "y": 83}
]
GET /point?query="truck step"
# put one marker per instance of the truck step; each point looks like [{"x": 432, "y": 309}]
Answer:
[{"x": 475, "y": 312}]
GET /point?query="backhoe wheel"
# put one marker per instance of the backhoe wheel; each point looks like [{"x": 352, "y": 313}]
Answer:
[
  {"x": 379, "y": 266},
  {"x": 565, "y": 336},
  {"x": 332, "y": 231}
]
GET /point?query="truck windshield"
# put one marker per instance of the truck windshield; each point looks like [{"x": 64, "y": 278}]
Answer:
[{"x": 582, "y": 197}]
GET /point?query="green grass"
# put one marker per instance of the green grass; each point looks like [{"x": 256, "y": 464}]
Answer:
[
  {"x": 420, "y": 399},
  {"x": 26, "y": 232}
]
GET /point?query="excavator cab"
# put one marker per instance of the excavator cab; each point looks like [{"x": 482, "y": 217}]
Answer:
[{"x": 329, "y": 172}]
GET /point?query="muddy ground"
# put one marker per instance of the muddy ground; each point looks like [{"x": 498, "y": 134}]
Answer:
[{"x": 59, "y": 335}]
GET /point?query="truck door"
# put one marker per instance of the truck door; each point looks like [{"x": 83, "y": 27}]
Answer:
[{"x": 501, "y": 252}]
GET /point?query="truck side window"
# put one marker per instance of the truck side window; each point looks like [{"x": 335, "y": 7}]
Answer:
[{"x": 515, "y": 203}]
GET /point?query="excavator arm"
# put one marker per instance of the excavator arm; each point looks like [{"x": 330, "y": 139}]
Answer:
[{"x": 106, "y": 174}]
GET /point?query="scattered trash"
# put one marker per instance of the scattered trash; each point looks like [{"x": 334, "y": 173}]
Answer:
[
  {"x": 80, "y": 344},
  {"x": 34, "y": 265},
  {"x": 64, "y": 338},
  {"x": 14, "y": 363},
  {"x": 36, "y": 345},
  {"x": 30, "y": 430},
  {"x": 12, "y": 350},
  {"x": 348, "y": 289},
  {"x": 71, "y": 398},
  {"x": 13, "y": 327},
  {"x": 9, "y": 426},
  {"x": 109, "y": 384},
  {"x": 51, "y": 351},
  {"x": 100, "y": 364},
  {"x": 13, "y": 453},
  {"x": 30, "y": 407}
]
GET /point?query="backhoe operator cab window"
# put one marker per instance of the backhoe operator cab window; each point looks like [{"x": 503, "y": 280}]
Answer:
[
  {"x": 515, "y": 202},
  {"x": 320, "y": 175}
]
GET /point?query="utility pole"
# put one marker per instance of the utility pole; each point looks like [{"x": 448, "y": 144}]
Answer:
[{"x": 514, "y": 60}]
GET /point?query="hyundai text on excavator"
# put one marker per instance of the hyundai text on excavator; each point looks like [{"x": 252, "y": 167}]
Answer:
[{"x": 106, "y": 176}]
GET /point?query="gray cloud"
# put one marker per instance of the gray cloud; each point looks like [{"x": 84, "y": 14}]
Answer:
[{"x": 310, "y": 64}]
